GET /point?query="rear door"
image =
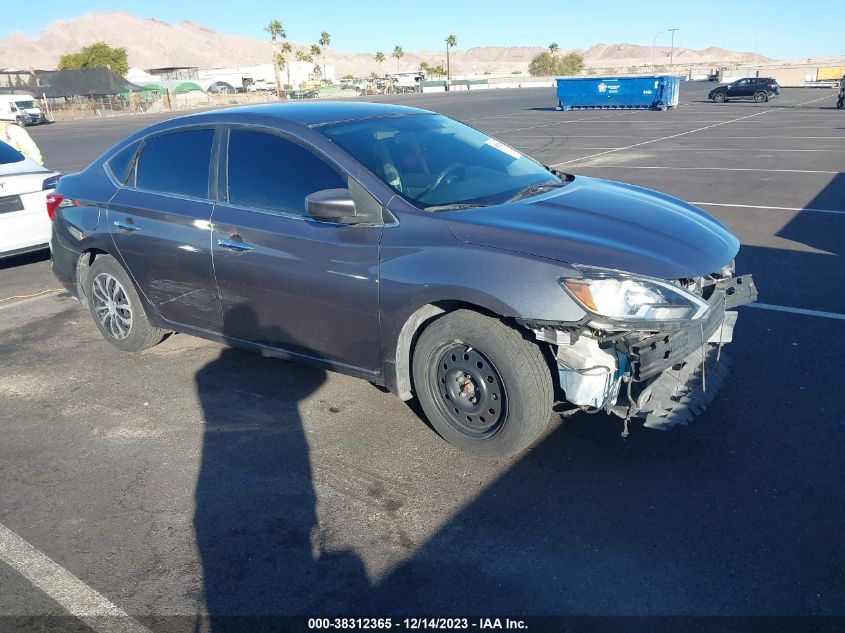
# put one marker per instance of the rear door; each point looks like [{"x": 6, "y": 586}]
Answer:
[
  {"x": 286, "y": 280},
  {"x": 160, "y": 223}
]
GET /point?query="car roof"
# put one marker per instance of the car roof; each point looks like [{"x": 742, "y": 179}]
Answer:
[{"x": 312, "y": 114}]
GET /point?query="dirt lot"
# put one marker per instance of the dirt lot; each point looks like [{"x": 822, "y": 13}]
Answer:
[{"x": 193, "y": 478}]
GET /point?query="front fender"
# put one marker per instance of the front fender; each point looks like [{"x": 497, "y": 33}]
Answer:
[{"x": 422, "y": 264}]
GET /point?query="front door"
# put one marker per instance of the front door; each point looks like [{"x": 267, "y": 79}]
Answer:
[
  {"x": 285, "y": 280},
  {"x": 742, "y": 88},
  {"x": 160, "y": 223}
]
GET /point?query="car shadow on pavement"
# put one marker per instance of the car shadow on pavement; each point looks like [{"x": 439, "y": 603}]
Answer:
[
  {"x": 738, "y": 514},
  {"x": 256, "y": 517}
]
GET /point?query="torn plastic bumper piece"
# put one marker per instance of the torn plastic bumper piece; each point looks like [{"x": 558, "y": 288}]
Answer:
[{"x": 679, "y": 395}]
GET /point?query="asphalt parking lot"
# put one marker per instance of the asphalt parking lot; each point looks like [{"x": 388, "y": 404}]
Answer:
[{"x": 193, "y": 478}]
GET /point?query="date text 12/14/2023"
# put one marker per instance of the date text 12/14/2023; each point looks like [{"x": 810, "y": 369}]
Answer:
[{"x": 413, "y": 624}]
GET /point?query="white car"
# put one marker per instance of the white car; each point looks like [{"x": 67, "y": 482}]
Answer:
[{"x": 26, "y": 196}]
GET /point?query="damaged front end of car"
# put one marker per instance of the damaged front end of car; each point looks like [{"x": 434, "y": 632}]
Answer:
[{"x": 648, "y": 348}]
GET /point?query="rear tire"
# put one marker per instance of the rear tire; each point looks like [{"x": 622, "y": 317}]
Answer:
[
  {"x": 117, "y": 308},
  {"x": 761, "y": 97},
  {"x": 507, "y": 385},
  {"x": 720, "y": 97}
]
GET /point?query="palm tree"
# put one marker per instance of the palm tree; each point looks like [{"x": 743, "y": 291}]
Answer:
[
  {"x": 379, "y": 56},
  {"x": 282, "y": 62},
  {"x": 286, "y": 50},
  {"x": 397, "y": 54},
  {"x": 316, "y": 51},
  {"x": 276, "y": 30},
  {"x": 553, "y": 48},
  {"x": 325, "y": 40},
  {"x": 451, "y": 41},
  {"x": 304, "y": 57}
]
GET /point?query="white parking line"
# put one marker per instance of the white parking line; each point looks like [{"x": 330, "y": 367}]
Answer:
[
  {"x": 789, "y": 171},
  {"x": 561, "y": 122},
  {"x": 18, "y": 300},
  {"x": 708, "y": 138},
  {"x": 663, "y": 138},
  {"x": 759, "y": 150},
  {"x": 695, "y": 149},
  {"x": 706, "y": 127},
  {"x": 815, "y": 313},
  {"x": 67, "y": 590},
  {"x": 755, "y": 206}
]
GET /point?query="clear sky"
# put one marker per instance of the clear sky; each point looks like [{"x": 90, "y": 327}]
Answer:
[{"x": 783, "y": 28}]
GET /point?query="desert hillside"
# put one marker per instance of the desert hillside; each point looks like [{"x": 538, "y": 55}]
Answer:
[{"x": 153, "y": 43}]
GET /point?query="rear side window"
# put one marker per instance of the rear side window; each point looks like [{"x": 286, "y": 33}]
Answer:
[
  {"x": 176, "y": 163},
  {"x": 9, "y": 154},
  {"x": 270, "y": 172},
  {"x": 119, "y": 163}
]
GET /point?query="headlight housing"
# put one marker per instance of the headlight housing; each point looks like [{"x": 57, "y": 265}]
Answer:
[{"x": 629, "y": 299}]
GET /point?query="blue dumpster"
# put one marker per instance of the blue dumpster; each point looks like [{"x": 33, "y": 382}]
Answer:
[{"x": 652, "y": 92}]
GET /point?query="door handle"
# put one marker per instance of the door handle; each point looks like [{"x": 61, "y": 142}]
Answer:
[
  {"x": 235, "y": 245},
  {"x": 128, "y": 225}
]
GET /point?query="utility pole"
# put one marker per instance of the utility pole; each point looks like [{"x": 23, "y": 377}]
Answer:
[
  {"x": 653, "y": 44},
  {"x": 672, "y": 52}
]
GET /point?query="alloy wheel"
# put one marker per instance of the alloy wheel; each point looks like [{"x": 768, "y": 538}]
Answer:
[{"x": 111, "y": 306}]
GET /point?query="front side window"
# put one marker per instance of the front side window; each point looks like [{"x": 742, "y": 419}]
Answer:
[
  {"x": 436, "y": 162},
  {"x": 177, "y": 162},
  {"x": 270, "y": 172}
]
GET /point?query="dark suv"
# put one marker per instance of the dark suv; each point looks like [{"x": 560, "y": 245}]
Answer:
[
  {"x": 761, "y": 89},
  {"x": 405, "y": 248}
]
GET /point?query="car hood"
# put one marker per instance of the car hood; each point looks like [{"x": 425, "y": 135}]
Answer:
[{"x": 606, "y": 224}]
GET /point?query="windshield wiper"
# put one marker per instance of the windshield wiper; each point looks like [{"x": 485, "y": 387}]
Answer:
[
  {"x": 454, "y": 207},
  {"x": 535, "y": 189}
]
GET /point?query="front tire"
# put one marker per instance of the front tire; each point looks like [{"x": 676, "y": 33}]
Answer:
[
  {"x": 117, "y": 308},
  {"x": 720, "y": 97},
  {"x": 484, "y": 388}
]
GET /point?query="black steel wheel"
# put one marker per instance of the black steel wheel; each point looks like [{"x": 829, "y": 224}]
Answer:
[
  {"x": 471, "y": 394},
  {"x": 483, "y": 387}
]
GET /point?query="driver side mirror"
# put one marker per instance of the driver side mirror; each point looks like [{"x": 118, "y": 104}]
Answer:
[{"x": 331, "y": 204}]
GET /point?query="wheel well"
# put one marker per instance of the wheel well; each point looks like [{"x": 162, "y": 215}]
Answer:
[
  {"x": 86, "y": 259},
  {"x": 402, "y": 381}
]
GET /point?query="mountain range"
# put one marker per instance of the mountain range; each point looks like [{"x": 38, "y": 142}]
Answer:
[{"x": 153, "y": 43}]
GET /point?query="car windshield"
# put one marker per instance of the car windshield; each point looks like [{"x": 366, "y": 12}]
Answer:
[
  {"x": 437, "y": 163},
  {"x": 23, "y": 105},
  {"x": 9, "y": 154}
]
